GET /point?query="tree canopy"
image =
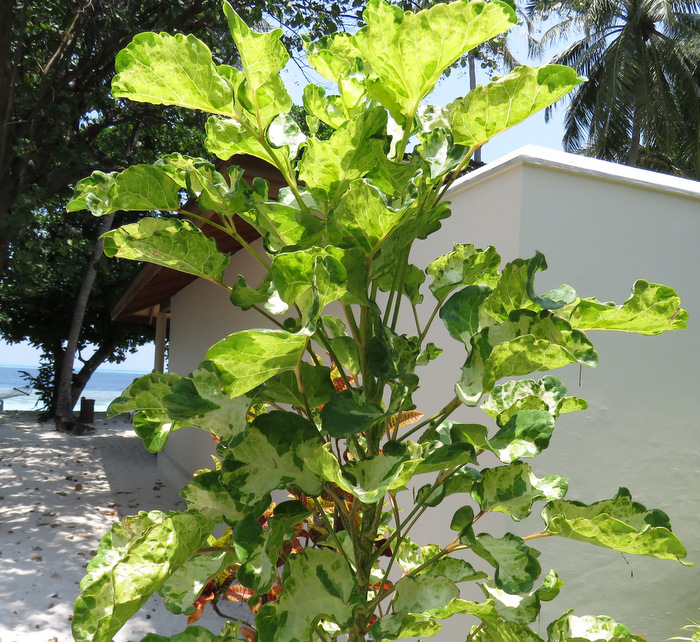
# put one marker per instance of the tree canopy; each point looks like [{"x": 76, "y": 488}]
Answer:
[
  {"x": 641, "y": 104},
  {"x": 59, "y": 122}
]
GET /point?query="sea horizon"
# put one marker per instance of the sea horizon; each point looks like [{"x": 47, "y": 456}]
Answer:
[{"x": 105, "y": 385}]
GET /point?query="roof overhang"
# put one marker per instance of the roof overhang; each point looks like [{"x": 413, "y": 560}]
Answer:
[{"x": 153, "y": 286}]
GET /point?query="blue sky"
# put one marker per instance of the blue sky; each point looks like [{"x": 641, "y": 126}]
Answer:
[{"x": 534, "y": 131}]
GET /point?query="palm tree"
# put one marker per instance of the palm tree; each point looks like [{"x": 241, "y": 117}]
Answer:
[{"x": 641, "y": 57}]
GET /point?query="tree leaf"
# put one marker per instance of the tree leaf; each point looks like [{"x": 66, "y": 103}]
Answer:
[
  {"x": 617, "y": 523},
  {"x": 138, "y": 188},
  {"x": 514, "y": 488},
  {"x": 526, "y": 434},
  {"x": 178, "y": 70},
  {"x": 227, "y": 137},
  {"x": 262, "y": 56},
  {"x": 361, "y": 219},
  {"x": 145, "y": 397},
  {"x": 593, "y": 628},
  {"x": 273, "y": 453},
  {"x": 332, "y": 272},
  {"x": 133, "y": 561},
  {"x": 328, "y": 166},
  {"x": 516, "y": 564},
  {"x": 464, "y": 265},
  {"x": 396, "y": 626},
  {"x": 507, "y": 399},
  {"x": 524, "y": 609},
  {"x": 462, "y": 314},
  {"x": 651, "y": 310},
  {"x": 317, "y": 584},
  {"x": 420, "y": 594},
  {"x": 408, "y": 59},
  {"x": 198, "y": 400},
  {"x": 349, "y": 413},
  {"x": 283, "y": 388},
  {"x": 246, "y": 359},
  {"x": 183, "y": 587},
  {"x": 503, "y": 631},
  {"x": 507, "y": 101},
  {"x": 333, "y": 56},
  {"x": 171, "y": 243},
  {"x": 206, "y": 494},
  {"x": 525, "y": 343},
  {"x": 515, "y": 290},
  {"x": 190, "y": 634}
]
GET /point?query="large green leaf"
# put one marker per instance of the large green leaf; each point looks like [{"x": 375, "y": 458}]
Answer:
[
  {"x": 190, "y": 634},
  {"x": 462, "y": 314},
  {"x": 396, "y": 626},
  {"x": 525, "y": 434},
  {"x": 198, "y": 400},
  {"x": 328, "y": 166},
  {"x": 498, "y": 630},
  {"x": 516, "y": 290},
  {"x": 487, "y": 111},
  {"x": 273, "y": 454},
  {"x": 183, "y": 587},
  {"x": 652, "y": 309},
  {"x": 248, "y": 358},
  {"x": 170, "y": 243},
  {"x": 262, "y": 57},
  {"x": 408, "y": 58},
  {"x": 178, "y": 70},
  {"x": 145, "y": 396},
  {"x": 367, "y": 479},
  {"x": 284, "y": 387},
  {"x": 513, "y": 489},
  {"x": 591, "y": 628},
  {"x": 617, "y": 523},
  {"x": 334, "y": 56},
  {"x": 132, "y": 562},
  {"x": 420, "y": 594},
  {"x": 464, "y": 265},
  {"x": 362, "y": 220},
  {"x": 332, "y": 272},
  {"x": 138, "y": 188},
  {"x": 516, "y": 564},
  {"x": 525, "y": 343},
  {"x": 206, "y": 494},
  {"x": 524, "y": 609},
  {"x": 317, "y": 584},
  {"x": 349, "y": 413},
  {"x": 549, "y": 393}
]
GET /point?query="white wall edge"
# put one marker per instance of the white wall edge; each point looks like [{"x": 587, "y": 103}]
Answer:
[{"x": 536, "y": 156}]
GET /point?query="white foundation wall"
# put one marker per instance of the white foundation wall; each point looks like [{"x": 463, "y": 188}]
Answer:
[
  {"x": 600, "y": 231},
  {"x": 201, "y": 315},
  {"x": 601, "y": 227}
]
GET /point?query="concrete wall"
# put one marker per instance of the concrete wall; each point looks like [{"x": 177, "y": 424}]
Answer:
[{"x": 601, "y": 227}]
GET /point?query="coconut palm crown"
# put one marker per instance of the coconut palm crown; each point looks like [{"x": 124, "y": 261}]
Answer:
[{"x": 641, "y": 104}]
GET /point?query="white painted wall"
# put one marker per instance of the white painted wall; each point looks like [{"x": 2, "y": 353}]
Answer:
[{"x": 601, "y": 226}]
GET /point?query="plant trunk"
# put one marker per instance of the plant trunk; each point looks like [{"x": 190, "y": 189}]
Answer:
[{"x": 64, "y": 400}]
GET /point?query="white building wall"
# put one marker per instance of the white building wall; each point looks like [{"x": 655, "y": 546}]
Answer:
[{"x": 601, "y": 227}]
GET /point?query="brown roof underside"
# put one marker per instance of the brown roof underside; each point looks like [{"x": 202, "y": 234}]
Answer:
[{"x": 153, "y": 286}]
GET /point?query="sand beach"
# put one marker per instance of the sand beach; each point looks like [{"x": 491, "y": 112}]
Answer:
[{"x": 59, "y": 494}]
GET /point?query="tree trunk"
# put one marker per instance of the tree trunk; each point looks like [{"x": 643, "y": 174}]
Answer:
[
  {"x": 64, "y": 402},
  {"x": 6, "y": 99},
  {"x": 81, "y": 378}
]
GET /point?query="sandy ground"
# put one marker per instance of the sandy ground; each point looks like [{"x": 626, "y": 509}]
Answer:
[{"x": 59, "y": 495}]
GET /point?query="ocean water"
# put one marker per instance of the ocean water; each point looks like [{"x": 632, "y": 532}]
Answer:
[{"x": 104, "y": 386}]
